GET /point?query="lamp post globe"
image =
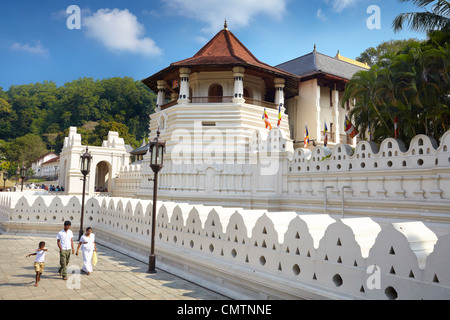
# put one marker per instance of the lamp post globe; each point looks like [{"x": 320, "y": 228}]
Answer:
[
  {"x": 5, "y": 177},
  {"x": 157, "y": 149},
  {"x": 85, "y": 167},
  {"x": 23, "y": 174},
  {"x": 86, "y": 158}
]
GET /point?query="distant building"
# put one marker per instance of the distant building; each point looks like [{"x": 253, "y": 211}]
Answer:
[
  {"x": 49, "y": 169},
  {"x": 41, "y": 170}
]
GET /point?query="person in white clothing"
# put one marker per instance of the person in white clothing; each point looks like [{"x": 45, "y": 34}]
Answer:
[
  {"x": 87, "y": 244},
  {"x": 65, "y": 245},
  {"x": 39, "y": 263}
]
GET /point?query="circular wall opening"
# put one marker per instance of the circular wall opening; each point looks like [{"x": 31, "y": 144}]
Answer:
[
  {"x": 296, "y": 269},
  {"x": 391, "y": 293},
  {"x": 337, "y": 280},
  {"x": 262, "y": 260}
]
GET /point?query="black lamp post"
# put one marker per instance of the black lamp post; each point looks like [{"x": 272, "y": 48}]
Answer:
[
  {"x": 23, "y": 174},
  {"x": 5, "y": 177},
  {"x": 157, "y": 148},
  {"x": 85, "y": 168}
]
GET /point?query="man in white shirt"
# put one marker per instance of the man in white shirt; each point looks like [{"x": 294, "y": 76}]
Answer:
[{"x": 65, "y": 245}]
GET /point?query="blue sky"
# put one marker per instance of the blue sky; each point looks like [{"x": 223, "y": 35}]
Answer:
[{"x": 140, "y": 37}]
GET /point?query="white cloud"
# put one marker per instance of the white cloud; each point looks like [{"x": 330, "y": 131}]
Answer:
[
  {"x": 238, "y": 13},
  {"x": 37, "y": 48},
  {"x": 320, "y": 15},
  {"x": 340, "y": 5},
  {"x": 119, "y": 30}
]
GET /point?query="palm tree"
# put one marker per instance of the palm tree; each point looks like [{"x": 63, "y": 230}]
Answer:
[
  {"x": 413, "y": 85},
  {"x": 370, "y": 107},
  {"x": 438, "y": 18}
]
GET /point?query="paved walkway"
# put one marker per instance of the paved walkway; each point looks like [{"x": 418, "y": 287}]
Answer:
[{"x": 115, "y": 277}]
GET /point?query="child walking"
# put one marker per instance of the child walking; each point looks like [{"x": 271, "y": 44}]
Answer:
[{"x": 39, "y": 263}]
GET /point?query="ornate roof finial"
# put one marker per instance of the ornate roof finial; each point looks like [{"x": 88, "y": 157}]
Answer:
[
  {"x": 225, "y": 25},
  {"x": 315, "y": 47}
]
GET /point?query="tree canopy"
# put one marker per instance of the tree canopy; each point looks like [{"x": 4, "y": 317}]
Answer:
[
  {"x": 412, "y": 85},
  {"x": 435, "y": 17},
  {"x": 47, "y": 111}
]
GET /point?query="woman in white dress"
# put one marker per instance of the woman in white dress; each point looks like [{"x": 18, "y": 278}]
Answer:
[{"x": 87, "y": 244}]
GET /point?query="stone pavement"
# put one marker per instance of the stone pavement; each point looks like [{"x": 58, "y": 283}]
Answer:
[{"x": 115, "y": 277}]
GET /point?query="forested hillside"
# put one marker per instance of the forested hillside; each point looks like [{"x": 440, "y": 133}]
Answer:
[{"x": 44, "y": 111}]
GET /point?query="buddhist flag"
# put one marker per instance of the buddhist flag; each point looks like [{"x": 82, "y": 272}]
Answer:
[
  {"x": 279, "y": 115},
  {"x": 306, "y": 137},
  {"x": 325, "y": 131},
  {"x": 175, "y": 84},
  {"x": 265, "y": 117},
  {"x": 396, "y": 128},
  {"x": 370, "y": 132},
  {"x": 349, "y": 128}
]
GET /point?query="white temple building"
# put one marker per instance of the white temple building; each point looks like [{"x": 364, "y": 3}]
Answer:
[{"x": 246, "y": 209}]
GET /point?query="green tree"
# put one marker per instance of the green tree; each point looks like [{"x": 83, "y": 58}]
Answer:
[
  {"x": 383, "y": 51},
  {"x": 436, "y": 18},
  {"x": 413, "y": 85},
  {"x": 24, "y": 150}
]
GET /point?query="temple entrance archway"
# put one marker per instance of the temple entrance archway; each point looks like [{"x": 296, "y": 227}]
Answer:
[{"x": 102, "y": 177}]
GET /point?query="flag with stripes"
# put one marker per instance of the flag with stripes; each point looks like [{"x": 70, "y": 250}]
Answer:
[
  {"x": 265, "y": 117},
  {"x": 349, "y": 128},
  {"x": 279, "y": 115},
  {"x": 306, "y": 143}
]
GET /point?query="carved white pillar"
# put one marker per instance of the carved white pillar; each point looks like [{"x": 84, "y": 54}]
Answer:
[
  {"x": 337, "y": 122},
  {"x": 161, "y": 94},
  {"x": 238, "y": 73},
  {"x": 279, "y": 91},
  {"x": 318, "y": 119},
  {"x": 183, "y": 98}
]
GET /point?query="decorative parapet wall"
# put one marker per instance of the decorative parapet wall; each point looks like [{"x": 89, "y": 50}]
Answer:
[
  {"x": 255, "y": 253},
  {"x": 413, "y": 183},
  {"x": 128, "y": 181},
  {"x": 390, "y": 171}
]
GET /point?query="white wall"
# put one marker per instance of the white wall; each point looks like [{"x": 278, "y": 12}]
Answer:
[{"x": 255, "y": 253}]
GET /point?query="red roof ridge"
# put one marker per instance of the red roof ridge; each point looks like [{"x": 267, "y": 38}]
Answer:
[
  {"x": 215, "y": 48},
  {"x": 226, "y": 48}
]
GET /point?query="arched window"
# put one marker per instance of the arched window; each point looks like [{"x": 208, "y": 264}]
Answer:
[
  {"x": 215, "y": 93},
  {"x": 248, "y": 93}
]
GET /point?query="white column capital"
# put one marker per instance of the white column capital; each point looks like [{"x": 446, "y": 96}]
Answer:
[
  {"x": 238, "y": 71},
  {"x": 185, "y": 72},
  {"x": 161, "y": 84},
  {"x": 279, "y": 83}
]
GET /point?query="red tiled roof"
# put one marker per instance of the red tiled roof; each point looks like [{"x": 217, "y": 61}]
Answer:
[
  {"x": 42, "y": 157},
  {"x": 226, "y": 49},
  {"x": 56, "y": 159}
]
